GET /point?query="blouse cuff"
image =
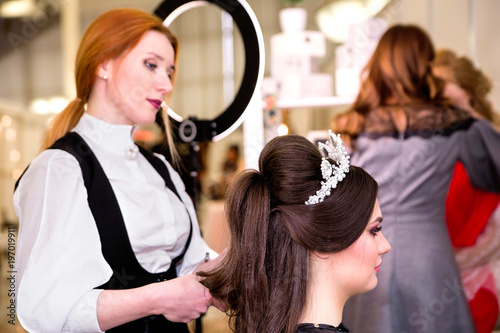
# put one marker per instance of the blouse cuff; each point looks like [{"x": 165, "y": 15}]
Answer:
[{"x": 83, "y": 316}]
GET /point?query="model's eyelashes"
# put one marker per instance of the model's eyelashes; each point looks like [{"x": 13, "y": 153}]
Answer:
[{"x": 376, "y": 230}]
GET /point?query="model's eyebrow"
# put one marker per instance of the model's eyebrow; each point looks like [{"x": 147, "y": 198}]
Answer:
[{"x": 378, "y": 219}]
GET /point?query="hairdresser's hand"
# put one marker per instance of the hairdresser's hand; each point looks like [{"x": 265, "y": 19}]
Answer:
[
  {"x": 182, "y": 299},
  {"x": 207, "y": 267},
  {"x": 211, "y": 264},
  {"x": 218, "y": 304}
]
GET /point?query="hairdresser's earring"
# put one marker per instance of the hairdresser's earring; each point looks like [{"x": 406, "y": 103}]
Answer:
[{"x": 105, "y": 77}]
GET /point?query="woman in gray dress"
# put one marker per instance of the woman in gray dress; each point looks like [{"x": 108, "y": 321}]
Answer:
[{"x": 403, "y": 131}]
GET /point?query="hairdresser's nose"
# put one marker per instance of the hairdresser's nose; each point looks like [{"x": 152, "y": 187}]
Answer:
[
  {"x": 164, "y": 84},
  {"x": 384, "y": 245}
]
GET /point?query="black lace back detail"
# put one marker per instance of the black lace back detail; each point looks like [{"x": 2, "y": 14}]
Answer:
[{"x": 424, "y": 121}]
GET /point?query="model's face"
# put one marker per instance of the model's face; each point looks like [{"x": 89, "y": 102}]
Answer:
[
  {"x": 139, "y": 81},
  {"x": 358, "y": 265}
]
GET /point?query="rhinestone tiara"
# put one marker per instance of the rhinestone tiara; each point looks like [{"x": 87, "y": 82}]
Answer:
[{"x": 334, "y": 150}]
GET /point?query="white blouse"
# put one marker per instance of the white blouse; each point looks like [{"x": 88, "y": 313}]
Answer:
[{"x": 59, "y": 259}]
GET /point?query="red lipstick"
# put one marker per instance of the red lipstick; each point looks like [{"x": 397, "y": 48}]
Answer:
[{"x": 156, "y": 103}]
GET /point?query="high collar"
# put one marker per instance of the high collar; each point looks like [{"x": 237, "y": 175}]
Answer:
[{"x": 117, "y": 139}]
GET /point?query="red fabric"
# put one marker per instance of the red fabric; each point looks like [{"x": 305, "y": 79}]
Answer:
[
  {"x": 467, "y": 209},
  {"x": 467, "y": 213},
  {"x": 484, "y": 308}
]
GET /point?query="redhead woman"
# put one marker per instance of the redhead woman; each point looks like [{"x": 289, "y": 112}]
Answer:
[
  {"x": 305, "y": 236},
  {"x": 108, "y": 238}
]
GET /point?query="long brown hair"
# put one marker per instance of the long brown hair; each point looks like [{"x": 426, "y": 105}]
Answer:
[
  {"x": 264, "y": 277},
  {"x": 398, "y": 74},
  {"x": 109, "y": 36}
]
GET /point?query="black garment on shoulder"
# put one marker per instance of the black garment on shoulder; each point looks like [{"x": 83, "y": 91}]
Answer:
[
  {"x": 320, "y": 328},
  {"x": 116, "y": 247},
  {"x": 426, "y": 120}
]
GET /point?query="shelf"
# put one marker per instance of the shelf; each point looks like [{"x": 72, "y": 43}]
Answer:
[{"x": 314, "y": 102}]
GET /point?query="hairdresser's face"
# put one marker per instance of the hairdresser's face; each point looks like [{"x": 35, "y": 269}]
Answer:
[
  {"x": 362, "y": 261},
  {"x": 139, "y": 81}
]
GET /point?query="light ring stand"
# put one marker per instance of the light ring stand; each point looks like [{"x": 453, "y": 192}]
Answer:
[
  {"x": 224, "y": 124},
  {"x": 187, "y": 130}
]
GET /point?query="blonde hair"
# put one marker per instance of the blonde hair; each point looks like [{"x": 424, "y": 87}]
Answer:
[
  {"x": 463, "y": 72},
  {"x": 106, "y": 38}
]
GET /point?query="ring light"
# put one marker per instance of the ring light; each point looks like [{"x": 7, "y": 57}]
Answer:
[{"x": 235, "y": 113}]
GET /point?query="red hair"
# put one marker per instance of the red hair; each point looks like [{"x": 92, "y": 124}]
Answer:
[
  {"x": 399, "y": 73},
  {"x": 399, "y": 70},
  {"x": 109, "y": 36}
]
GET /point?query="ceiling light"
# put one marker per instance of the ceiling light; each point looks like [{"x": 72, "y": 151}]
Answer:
[
  {"x": 334, "y": 18},
  {"x": 17, "y": 8}
]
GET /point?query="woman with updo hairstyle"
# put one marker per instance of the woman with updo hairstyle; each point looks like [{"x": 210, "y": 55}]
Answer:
[
  {"x": 405, "y": 131},
  {"x": 291, "y": 266},
  {"x": 108, "y": 237}
]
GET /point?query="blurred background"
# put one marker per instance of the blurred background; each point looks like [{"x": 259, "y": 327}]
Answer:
[{"x": 311, "y": 73}]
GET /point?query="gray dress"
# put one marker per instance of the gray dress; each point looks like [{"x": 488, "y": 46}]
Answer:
[{"x": 419, "y": 287}]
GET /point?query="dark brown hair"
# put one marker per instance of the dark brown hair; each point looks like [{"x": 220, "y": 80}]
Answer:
[{"x": 264, "y": 277}]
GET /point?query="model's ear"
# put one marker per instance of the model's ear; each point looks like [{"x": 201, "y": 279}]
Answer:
[{"x": 319, "y": 256}]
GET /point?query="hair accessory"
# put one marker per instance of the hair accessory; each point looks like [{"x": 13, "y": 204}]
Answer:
[{"x": 332, "y": 173}]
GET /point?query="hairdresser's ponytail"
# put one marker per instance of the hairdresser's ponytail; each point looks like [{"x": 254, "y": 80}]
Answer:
[{"x": 64, "y": 122}]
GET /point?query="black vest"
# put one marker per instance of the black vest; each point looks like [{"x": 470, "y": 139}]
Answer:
[{"x": 115, "y": 244}]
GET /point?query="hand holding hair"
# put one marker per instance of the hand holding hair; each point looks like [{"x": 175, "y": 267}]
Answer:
[{"x": 183, "y": 299}]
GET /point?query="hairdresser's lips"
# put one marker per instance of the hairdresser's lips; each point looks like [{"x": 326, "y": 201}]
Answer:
[
  {"x": 156, "y": 103},
  {"x": 377, "y": 269}
]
